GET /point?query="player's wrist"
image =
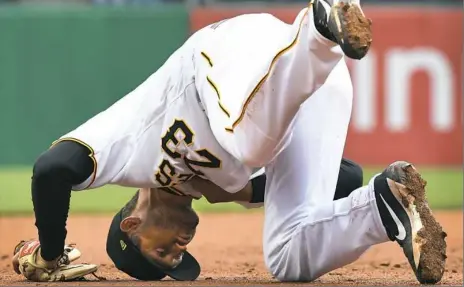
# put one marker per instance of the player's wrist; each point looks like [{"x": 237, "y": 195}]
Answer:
[{"x": 49, "y": 264}]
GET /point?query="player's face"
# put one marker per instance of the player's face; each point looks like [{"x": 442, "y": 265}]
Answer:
[{"x": 166, "y": 245}]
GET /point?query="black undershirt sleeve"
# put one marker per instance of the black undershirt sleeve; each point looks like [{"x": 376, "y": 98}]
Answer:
[{"x": 55, "y": 172}]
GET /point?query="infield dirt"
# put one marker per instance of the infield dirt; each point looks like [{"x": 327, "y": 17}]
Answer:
[{"x": 229, "y": 248}]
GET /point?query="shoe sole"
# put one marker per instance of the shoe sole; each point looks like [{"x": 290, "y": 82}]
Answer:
[
  {"x": 427, "y": 243},
  {"x": 351, "y": 29}
]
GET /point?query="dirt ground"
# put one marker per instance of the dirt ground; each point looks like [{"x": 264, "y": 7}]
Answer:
[{"x": 228, "y": 246}]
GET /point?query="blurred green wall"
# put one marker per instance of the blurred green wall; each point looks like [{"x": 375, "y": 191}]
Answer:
[{"x": 61, "y": 65}]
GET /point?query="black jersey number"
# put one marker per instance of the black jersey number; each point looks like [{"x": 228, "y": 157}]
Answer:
[{"x": 179, "y": 132}]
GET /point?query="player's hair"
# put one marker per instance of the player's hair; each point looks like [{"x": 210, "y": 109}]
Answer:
[
  {"x": 162, "y": 216},
  {"x": 156, "y": 216},
  {"x": 130, "y": 206}
]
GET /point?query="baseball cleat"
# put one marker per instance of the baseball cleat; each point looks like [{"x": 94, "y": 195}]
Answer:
[
  {"x": 344, "y": 23},
  {"x": 408, "y": 219}
]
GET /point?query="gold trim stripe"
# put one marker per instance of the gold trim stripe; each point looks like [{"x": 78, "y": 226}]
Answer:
[
  {"x": 212, "y": 84},
  {"x": 261, "y": 82},
  {"x": 207, "y": 58}
]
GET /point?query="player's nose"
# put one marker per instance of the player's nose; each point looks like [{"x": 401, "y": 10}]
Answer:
[
  {"x": 181, "y": 248},
  {"x": 183, "y": 241}
]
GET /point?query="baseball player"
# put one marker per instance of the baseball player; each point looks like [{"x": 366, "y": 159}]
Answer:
[{"x": 235, "y": 98}]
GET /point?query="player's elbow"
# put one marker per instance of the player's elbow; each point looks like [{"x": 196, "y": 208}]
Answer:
[
  {"x": 213, "y": 200},
  {"x": 65, "y": 164},
  {"x": 46, "y": 167}
]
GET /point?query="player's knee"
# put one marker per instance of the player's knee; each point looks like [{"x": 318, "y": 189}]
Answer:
[
  {"x": 286, "y": 264},
  {"x": 276, "y": 263},
  {"x": 272, "y": 265},
  {"x": 292, "y": 274},
  {"x": 285, "y": 272},
  {"x": 277, "y": 272}
]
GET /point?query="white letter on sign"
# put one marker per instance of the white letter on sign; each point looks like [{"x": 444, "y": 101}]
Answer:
[
  {"x": 401, "y": 64},
  {"x": 365, "y": 87}
]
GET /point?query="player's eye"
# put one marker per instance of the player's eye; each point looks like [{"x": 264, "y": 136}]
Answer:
[{"x": 161, "y": 252}]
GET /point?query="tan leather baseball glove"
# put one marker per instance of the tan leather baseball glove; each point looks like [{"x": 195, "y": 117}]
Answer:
[{"x": 28, "y": 262}]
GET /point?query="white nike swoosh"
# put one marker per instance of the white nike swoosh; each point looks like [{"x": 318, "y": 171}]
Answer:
[{"x": 401, "y": 230}]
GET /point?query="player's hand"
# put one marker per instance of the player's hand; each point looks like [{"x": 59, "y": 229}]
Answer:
[{"x": 28, "y": 262}]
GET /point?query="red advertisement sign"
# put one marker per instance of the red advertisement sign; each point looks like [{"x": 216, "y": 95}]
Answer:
[{"x": 408, "y": 91}]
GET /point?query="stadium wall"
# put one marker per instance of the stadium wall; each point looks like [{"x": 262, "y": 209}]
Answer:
[{"x": 61, "y": 65}]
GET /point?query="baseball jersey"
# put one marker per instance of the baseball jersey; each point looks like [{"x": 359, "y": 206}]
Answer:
[
  {"x": 222, "y": 104},
  {"x": 159, "y": 136}
]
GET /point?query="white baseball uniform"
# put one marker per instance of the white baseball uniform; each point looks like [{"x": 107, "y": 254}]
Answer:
[
  {"x": 222, "y": 104},
  {"x": 234, "y": 97},
  {"x": 307, "y": 233}
]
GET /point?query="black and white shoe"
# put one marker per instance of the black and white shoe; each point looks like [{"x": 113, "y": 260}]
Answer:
[
  {"x": 408, "y": 219},
  {"x": 344, "y": 23}
]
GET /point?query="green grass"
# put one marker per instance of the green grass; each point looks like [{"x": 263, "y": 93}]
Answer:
[{"x": 444, "y": 192}]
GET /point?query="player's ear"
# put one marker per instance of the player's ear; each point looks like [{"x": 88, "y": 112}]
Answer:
[{"x": 130, "y": 223}]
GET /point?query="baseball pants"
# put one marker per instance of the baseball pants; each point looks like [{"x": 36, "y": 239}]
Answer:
[{"x": 306, "y": 232}]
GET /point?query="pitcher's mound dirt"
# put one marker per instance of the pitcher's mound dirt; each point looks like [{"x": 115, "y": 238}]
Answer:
[{"x": 229, "y": 248}]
